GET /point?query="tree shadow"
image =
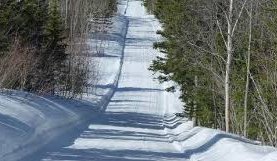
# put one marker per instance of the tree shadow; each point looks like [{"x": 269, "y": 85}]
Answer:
[
  {"x": 135, "y": 89},
  {"x": 121, "y": 126},
  {"x": 110, "y": 155}
]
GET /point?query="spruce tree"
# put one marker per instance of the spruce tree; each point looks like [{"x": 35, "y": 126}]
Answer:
[{"x": 54, "y": 54}]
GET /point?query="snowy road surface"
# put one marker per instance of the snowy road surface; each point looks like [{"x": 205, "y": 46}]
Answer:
[
  {"x": 136, "y": 124},
  {"x": 132, "y": 126}
]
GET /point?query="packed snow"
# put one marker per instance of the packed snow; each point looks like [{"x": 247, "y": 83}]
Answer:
[{"x": 128, "y": 117}]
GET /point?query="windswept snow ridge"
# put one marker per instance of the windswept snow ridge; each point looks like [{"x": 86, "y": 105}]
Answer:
[{"x": 136, "y": 118}]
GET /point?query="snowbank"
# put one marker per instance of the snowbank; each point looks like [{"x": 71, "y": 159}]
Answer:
[
  {"x": 28, "y": 122},
  {"x": 206, "y": 144}
]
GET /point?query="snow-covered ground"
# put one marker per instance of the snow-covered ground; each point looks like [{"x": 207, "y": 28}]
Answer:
[
  {"x": 130, "y": 117},
  {"x": 28, "y": 122}
]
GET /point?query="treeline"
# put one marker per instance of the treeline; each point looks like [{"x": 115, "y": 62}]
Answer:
[
  {"x": 43, "y": 44},
  {"x": 223, "y": 56}
]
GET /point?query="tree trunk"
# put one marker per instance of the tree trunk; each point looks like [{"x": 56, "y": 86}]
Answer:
[
  {"x": 228, "y": 68},
  {"x": 194, "y": 119},
  {"x": 248, "y": 74}
]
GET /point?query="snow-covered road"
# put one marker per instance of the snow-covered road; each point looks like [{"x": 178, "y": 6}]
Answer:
[
  {"x": 138, "y": 122},
  {"x": 131, "y": 128}
]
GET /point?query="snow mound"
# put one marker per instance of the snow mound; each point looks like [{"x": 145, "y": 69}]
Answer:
[
  {"x": 206, "y": 144},
  {"x": 27, "y": 119},
  {"x": 28, "y": 122}
]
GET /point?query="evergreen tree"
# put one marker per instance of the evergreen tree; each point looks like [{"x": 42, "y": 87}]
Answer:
[
  {"x": 195, "y": 53},
  {"x": 53, "y": 55},
  {"x": 7, "y": 14}
]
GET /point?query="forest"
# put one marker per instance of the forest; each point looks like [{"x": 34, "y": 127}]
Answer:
[
  {"x": 222, "y": 56},
  {"x": 43, "y": 44},
  {"x": 125, "y": 80}
]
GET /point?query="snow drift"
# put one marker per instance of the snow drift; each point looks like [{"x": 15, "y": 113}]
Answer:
[
  {"x": 28, "y": 122},
  {"x": 206, "y": 144}
]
